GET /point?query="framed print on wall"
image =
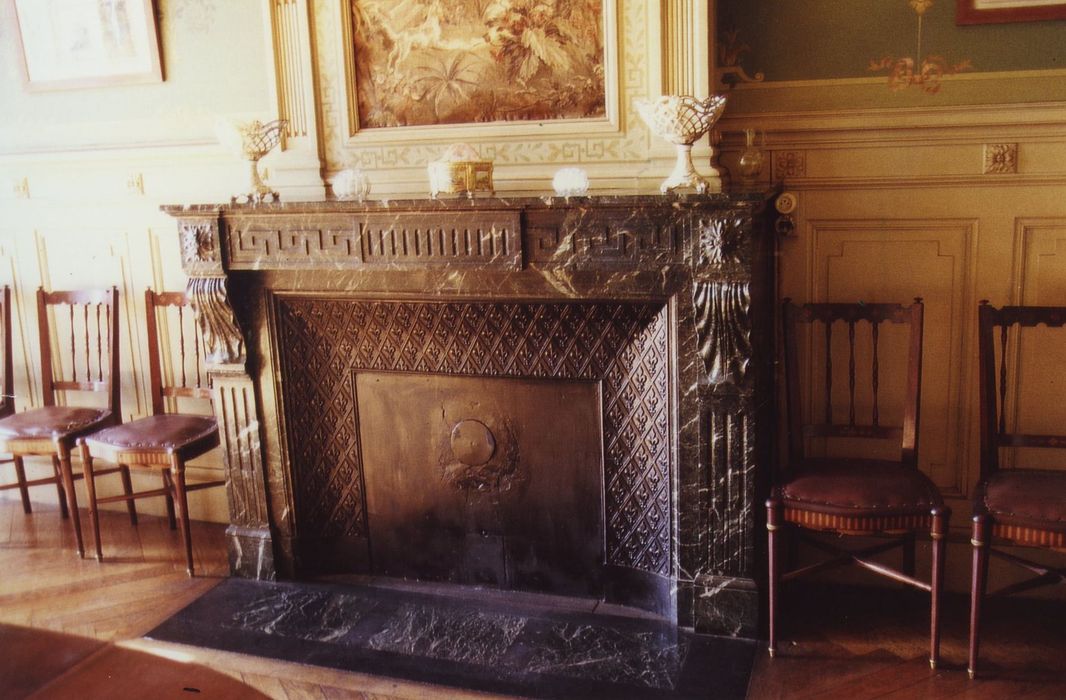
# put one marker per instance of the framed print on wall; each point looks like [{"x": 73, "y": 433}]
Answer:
[
  {"x": 999, "y": 11},
  {"x": 88, "y": 43}
]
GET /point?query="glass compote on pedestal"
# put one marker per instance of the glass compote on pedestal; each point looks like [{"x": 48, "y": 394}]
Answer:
[
  {"x": 257, "y": 139},
  {"x": 683, "y": 120}
]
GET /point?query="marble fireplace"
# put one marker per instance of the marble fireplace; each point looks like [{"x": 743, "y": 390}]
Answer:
[{"x": 546, "y": 395}]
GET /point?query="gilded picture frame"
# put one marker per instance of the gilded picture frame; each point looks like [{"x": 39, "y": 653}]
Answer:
[
  {"x": 69, "y": 44},
  {"x": 1002, "y": 11},
  {"x": 362, "y": 133}
]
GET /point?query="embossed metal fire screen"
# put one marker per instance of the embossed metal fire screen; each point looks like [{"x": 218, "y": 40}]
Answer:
[{"x": 325, "y": 342}]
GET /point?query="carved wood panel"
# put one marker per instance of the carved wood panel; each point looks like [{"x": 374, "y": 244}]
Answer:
[{"x": 323, "y": 341}]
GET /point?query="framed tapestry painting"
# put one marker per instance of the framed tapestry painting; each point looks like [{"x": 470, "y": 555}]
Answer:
[
  {"x": 88, "y": 43},
  {"x": 998, "y": 11},
  {"x": 420, "y": 63}
]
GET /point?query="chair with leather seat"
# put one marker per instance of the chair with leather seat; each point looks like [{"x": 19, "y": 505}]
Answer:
[
  {"x": 85, "y": 347},
  {"x": 7, "y": 399},
  {"x": 1021, "y": 497},
  {"x": 819, "y": 489},
  {"x": 164, "y": 441}
]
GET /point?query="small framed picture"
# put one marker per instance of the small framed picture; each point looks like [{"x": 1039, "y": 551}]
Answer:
[
  {"x": 999, "y": 11},
  {"x": 88, "y": 43}
]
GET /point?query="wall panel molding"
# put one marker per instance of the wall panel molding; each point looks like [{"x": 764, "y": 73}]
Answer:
[
  {"x": 1039, "y": 261},
  {"x": 862, "y": 259}
]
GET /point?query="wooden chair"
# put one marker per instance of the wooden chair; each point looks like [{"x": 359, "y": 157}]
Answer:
[
  {"x": 7, "y": 400},
  {"x": 852, "y": 496},
  {"x": 92, "y": 322},
  {"x": 1017, "y": 506},
  {"x": 162, "y": 442}
]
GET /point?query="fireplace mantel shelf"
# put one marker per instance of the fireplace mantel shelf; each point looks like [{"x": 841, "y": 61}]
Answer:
[{"x": 647, "y": 313}]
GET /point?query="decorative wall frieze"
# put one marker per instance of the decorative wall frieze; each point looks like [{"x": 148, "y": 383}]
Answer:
[
  {"x": 587, "y": 238},
  {"x": 258, "y": 245},
  {"x": 481, "y": 238}
]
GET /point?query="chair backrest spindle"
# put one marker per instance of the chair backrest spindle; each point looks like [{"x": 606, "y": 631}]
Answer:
[
  {"x": 854, "y": 315},
  {"x": 160, "y": 336},
  {"x": 851, "y": 372},
  {"x": 875, "y": 381},
  {"x": 995, "y": 431},
  {"x": 81, "y": 343},
  {"x": 829, "y": 373}
]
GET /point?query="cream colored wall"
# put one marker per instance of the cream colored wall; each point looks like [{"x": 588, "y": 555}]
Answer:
[
  {"x": 895, "y": 204},
  {"x": 83, "y": 172}
]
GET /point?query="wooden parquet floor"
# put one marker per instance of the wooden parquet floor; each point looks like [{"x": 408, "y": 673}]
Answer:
[{"x": 838, "y": 642}]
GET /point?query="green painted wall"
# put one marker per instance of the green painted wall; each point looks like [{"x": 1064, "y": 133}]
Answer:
[{"x": 791, "y": 40}]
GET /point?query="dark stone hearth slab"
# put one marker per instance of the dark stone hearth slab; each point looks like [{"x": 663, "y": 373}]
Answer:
[{"x": 486, "y": 644}]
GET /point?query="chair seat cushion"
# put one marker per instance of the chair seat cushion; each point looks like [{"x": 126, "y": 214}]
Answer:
[
  {"x": 860, "y": 487},
  {"x": 49, "y": 422},
  {"x": 1028, "y": 498},
  {"x": 163, "y": 432}
]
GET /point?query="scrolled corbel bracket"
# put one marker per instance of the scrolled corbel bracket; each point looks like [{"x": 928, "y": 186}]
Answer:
[
  {"x": 201, "y": 259},
  {"x": 222, "y": 337}
]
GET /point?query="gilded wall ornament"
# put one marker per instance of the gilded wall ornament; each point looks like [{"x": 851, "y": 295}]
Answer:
[
  {"x": 923, "y": 72},
  {"x": 1001, "y": 158}
]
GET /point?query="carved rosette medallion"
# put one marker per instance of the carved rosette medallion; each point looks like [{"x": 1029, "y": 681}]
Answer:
[
  {"x": 223, "y": 342},
  {"x": 199, "y": 246},
  {"x": 1001, "y": 158},
  {"x": 721, "y": 241}
]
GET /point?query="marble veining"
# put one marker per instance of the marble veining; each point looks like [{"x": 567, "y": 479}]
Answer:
[
  {"x": 459, "y": 639},
  {"x": 641, "y": 658},
  {"x": 317, "y": 616},
  {"x": 706, "y": 261},
  {"x": 453, "y": 635}
]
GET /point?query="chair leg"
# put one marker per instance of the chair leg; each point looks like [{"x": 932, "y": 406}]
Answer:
[
  {"x": 908, "y": 554},
  {"x": 61, "y": 492},
  {"x": 774, "y": 520},
  {"x": 170, "y": 500},
  {"x": 980, "y": 543},
  {"x": 181, "y": 503},
  {"x": 72, "y": 496},
  {"x": 937, "y": 534},
  {"x": 127, "y": 489},
  {"x": 24, "y": 491},
  {"x": 90, "y": 488}
]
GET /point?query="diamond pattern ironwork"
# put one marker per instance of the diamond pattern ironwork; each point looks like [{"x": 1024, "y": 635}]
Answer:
[{"x": 325, "y": 341}]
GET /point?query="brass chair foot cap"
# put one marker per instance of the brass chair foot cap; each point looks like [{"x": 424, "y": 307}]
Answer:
[
  {"x": 773, "y": 652},
  {"x": 932, "y": 664},
  {"x": 971, "y": 673}
]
